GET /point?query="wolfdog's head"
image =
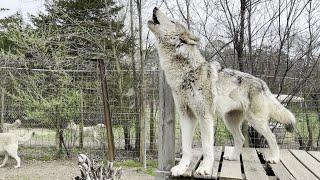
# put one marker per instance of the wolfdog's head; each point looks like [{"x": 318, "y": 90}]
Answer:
[{"x": 170, "y": 32}]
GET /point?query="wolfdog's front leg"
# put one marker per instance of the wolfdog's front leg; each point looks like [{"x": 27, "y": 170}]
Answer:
[
  {"x": 207, "y": 140},
  {"x": 187, "y": 125}
]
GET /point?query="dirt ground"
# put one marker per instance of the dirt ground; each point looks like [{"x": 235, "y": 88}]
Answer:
[{"x": 56, "y": 170}]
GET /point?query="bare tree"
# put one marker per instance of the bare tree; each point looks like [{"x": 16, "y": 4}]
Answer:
[
  {"x": 135, "y": 79},
  {"x": 141, "y": 82}
]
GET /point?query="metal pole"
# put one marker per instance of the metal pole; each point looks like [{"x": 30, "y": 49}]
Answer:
[
  {"x": 2, "y": 111},
  {"x": 106, "y": 110}
]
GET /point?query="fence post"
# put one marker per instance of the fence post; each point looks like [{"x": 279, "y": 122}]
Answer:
[
  {"x": 166, "y": 150},
  {"x": 81, "y": 122},
  {"x": 106, "y": 110},
  {"x": 2, "y": 110}
]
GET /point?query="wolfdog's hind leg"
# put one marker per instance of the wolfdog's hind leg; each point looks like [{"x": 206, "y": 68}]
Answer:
[
  {"x": 233, "y": 121},
  {"x": 5, "y": 159},
  {"x": 261, "y": 125},
  {"x": 13, "y": 152}
]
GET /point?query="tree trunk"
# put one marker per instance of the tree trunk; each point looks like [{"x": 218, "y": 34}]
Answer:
[
  {"x": 152, "y": 118},
  {"x": 135, "y": 82},
  {"x": 251, "y": 61},
  {"x": 142, "y": 120},
  {"x": 240, "y": 34},
  {"x": 152, "y": 133},
  {"x": 239, "y": 44},
  {"x": 316, "y": 104},
  {"x": 188, "y": 13},
  {"x": 309, "y": 57},
  {"x": 309, "y": 128}
]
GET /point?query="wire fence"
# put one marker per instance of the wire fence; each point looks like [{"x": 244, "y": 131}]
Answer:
[{"x": 67, "y": 103}]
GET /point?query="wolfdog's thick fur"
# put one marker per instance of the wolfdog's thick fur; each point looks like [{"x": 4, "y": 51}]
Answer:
[{"x": 202, "y": 89}]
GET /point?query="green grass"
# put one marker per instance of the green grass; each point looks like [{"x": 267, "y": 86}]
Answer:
[
  {"x": 39, "y": 153},
  {"x": 151, "y": 165}
]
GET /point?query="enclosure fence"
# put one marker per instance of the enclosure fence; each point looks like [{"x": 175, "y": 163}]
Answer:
[{"x": 67, "y": 103}]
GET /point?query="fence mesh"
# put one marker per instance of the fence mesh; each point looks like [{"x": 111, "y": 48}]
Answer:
[{"x": 67, "y": 103}]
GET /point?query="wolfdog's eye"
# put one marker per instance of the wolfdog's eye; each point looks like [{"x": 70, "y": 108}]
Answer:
[{"x": 173, "y": 22}]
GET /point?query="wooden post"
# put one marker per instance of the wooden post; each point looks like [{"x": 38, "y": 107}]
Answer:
[
  {"x": 106, "y": 110},
  {"x": 2, "y": 111},
  {"x": 166, "y": 150}
]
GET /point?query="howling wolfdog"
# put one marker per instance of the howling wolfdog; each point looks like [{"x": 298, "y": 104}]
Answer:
[{"x": 202, "y": 89}]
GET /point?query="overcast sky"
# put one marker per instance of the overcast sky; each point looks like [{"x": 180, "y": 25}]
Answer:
[{"x": 23, "y": 6}]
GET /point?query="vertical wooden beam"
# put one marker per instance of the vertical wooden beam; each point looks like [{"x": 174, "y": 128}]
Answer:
[
  {"x": 106, "y": 110},
  {"x": 166, "y": 150}
]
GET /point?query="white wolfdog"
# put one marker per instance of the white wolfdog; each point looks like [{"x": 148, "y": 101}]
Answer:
[
  {"x": 91, "y": 131},
  {"x": 200, "y": 89},
  {"x": 8, "y": 126},
  {"x": 9, "y": 144}
]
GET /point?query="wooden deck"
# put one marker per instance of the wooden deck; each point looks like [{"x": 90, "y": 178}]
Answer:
[{"x": 295, "y": 164}]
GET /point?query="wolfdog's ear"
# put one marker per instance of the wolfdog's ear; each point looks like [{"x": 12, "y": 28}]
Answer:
[{"x": 187, "y": 36}]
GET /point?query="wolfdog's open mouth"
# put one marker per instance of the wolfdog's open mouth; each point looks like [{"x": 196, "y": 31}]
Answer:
[{"x": 155, "y": 19}]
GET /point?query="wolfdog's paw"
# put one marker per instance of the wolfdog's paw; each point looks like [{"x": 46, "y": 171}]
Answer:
[
  {"x": 178, "y": 170},
  {"x": 272, "y": 160},
  {"x": 205, "y": 167},
  {"x": 16, "y": 167},
  {"x": 2, "y": 166},
  {"x": 232, "y": 157}
]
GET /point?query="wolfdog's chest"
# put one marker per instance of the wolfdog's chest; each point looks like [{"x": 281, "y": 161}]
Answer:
[{"x": 188, "y": 82}]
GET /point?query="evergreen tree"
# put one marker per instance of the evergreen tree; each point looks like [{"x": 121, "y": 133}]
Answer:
[
  {"x": 8, "y": 26},
  {"x": 90, "y": 27}
]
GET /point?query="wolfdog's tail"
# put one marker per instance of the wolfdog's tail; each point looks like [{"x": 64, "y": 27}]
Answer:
[
  {"x": 26, "y": 137},
  {"x": 281, "y": 114}
]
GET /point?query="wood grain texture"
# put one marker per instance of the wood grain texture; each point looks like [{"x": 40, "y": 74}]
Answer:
[
  {"x": 280, "y": 171},
  {"x": 252, "y": 166},
  {"x": 196, "y": 157},
  {"x": 294, "y": 166},
  {"x": 166, "y": 138},
  {"x": 214, "y": 172},
  {"x": 315, "y": 154},
  {"x": 230, "y": 169},
  {"x": 308, "y": 161}
]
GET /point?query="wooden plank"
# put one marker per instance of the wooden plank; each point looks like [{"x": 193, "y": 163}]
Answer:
[
  {"x": 196, "y": 157},
  {"x": 166, "y": 141},
  {"x": 308, "y": 161},
  {"x": 278, "y": 169},
  {"x": 252, "y": 166},
  {"x": 281, "y": 172},
  {"x": 214, "y": 171},
  {"x": 230, "y": 169},
  {"x": 217, "y": 157},
  {"x": 295, "y": 167},
  {"x": 315, "y": 154}
]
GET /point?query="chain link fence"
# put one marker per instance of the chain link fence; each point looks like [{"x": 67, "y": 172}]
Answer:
[{"x": 64, "y": 109}]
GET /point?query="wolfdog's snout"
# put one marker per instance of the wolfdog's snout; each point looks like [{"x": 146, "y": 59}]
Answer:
[
  {"x": 154, "y": 16},
  {"x": 155, "y": 9}
]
